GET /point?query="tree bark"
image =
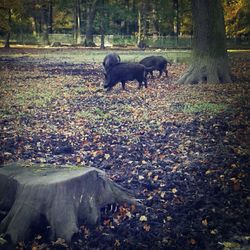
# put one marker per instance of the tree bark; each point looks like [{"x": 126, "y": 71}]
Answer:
[
  {"x": 102, "y": 26},
  {"x": 142, "y": 24},
  {"x": 155, "y": 23},
  {"x": 64, "y": 197},
  {"x": 176, "y": 8},
  {"x": 44, "y": 16},
  {"x": 91, "y": 12},
  {"x": 50, "y": 17},
  {"x": 102, "y": 46},
  {"x": 209, "y": 57},
  {"x": 7, "y": 39},
  {"x": 77, "y": 22}
]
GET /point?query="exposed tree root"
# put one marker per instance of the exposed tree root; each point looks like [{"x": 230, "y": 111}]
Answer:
[
  {"x": 212, "y": 70},
  {"x": 65, "y": 197}
]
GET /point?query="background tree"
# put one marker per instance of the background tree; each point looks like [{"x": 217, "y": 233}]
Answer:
[
  {"x": 142, "y": 19},
  {"x": 91, "y": 7},
  {"x": 8, "y": 11},
  {"x": 185, "y": 18},
  {"x": 210, "y": 59},
  {"x": 102, "y": 17},
  {"x": 50, "y": 16},
  {"x": 45, "y": 21},
  {"x": 77, "y": 21},
  {"x": 143, "y": 8},
  {"x": 237, "y": 17},
  {"x": 63, "y": 16}
]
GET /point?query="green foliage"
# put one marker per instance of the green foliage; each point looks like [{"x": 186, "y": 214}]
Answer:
[
  {"x": 10, "y": 7},
  {"x": 161, "y": 18},
  {"x": 237, "y": 16}
]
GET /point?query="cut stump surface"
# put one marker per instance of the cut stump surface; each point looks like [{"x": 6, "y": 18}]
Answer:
[{"x": 65, "y": 196}]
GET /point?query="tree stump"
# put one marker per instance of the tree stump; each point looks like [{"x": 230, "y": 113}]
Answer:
[{"x": 65, "y": 196}]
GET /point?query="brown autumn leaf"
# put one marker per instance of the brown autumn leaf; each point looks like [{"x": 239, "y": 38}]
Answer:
[
  {"x": 146, "y": 227},
  {"x": 192, "y": 241},
  {"x": 204, "y": 222}
]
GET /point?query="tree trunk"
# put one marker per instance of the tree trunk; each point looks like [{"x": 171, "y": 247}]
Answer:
[
  {"x": 142, "y": 25},
  {"x": 77, "y": 22},
  {"x": 102, "y": 26},
  {"x": 102, "y": 46},
  {"x": 209, "y": 59},
  {"x": 7, "y": 39},
  {"x": 155, "y": 26},
  {"x": 50, "y": 17},
  {"x": 176, "y": 18},
  {"x": 44, "y": 16},
  {"x": 63, "y": 197},
  {"x": 89, "y": 42}
]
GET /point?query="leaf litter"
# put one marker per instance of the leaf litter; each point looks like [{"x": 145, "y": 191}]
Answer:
[{"x": 182, "y": 150}]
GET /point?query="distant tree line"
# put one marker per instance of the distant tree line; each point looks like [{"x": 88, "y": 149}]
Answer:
[{"x": 141, "y": 18}]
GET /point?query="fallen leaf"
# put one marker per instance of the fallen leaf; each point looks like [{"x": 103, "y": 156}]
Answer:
[
  {"x": 156, "y": 178},
  {"x": 107, "y": 156},
  {"x": 143, "y": 218},
  {"x": 204, "y": 222},
  {"x": 193, "y": 241},
  {"x": 214, "y": 231},
  {"x": 169, "y": 218},
  {"x": 117, "y": 243},
  {"x": 146, "y": 227}
]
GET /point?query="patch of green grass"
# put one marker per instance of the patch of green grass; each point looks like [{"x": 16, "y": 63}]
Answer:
[
  {"x": 85, "y": 115},
  {"x": 79, "y": 90},
  {"x": 98, "y": 115},
  {"x": 97, "y": 56},
  {"x": 93, "y": 114},
  {"x": 32, "y": 98},
  {"x": 23, "y": 100},
  {"x": 204, "y": 107}
]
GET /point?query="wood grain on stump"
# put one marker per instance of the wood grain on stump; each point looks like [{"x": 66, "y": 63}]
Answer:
[{"x": 65, "y": 197}]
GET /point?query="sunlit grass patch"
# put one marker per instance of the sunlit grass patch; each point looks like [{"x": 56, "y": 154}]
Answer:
[
  {"x": 79, "y": 90},
  {"x": 24, "y": 99},
  {"x": 204, "y": 107},
  {"x": 32, "y": 98},
  {"x": 93, "y": 115}
]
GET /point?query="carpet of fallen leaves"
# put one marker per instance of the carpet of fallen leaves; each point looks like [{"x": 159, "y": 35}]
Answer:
[{"x": 182, "y": 150}]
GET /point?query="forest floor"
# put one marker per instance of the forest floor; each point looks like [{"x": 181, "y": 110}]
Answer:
[{"x": 182, "y": 150}]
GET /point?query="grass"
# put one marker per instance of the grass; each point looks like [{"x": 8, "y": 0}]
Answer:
[
  {"x": 82, "y": 55},
  {"x": 22, "y": 99},
  {"x": 93, "y": 115},
  {"x": 206, "y": 107}
]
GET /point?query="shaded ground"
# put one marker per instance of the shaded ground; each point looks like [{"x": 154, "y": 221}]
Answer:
[{"x": 183, "y": 150}]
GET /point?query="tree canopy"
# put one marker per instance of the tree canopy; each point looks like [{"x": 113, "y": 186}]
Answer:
[{"x": 123, "y": 17}]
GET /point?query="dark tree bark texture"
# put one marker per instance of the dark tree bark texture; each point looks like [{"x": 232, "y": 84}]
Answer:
[
  {"x": 65, "y": 197},
  {"x": 50, "y": 17},
  {"x": 91, "y": 12},
  {"x": 102, "y": 29},
  {"x": 7, "y": 39},
  {"x": 77, "y": 22},
  {"x": 44, "y": 16},
  {"x": 210, "y": 59},
  {"x": 142, "y": 24}
]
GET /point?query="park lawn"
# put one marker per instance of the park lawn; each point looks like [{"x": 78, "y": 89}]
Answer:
[{"x": 183, "y": 150}]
